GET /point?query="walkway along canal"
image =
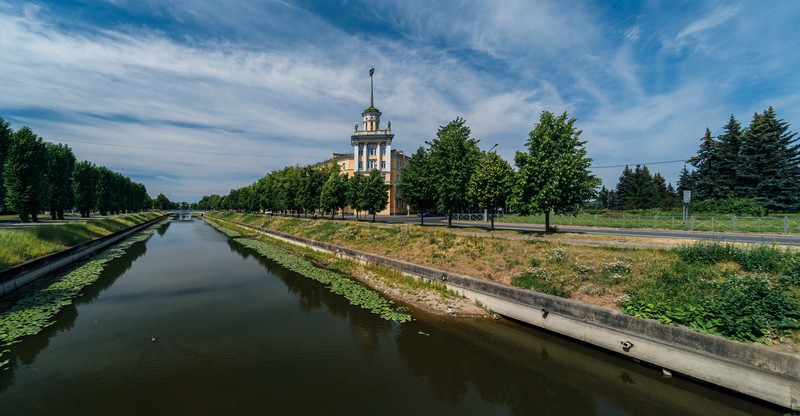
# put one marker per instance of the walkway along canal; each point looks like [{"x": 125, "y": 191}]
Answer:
[{"x": 192, "y": 322}]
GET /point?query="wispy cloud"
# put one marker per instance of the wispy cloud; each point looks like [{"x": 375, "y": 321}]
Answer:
[{"x": 199, "y": 97}]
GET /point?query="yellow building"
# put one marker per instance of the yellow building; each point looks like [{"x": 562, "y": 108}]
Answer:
[{"x": 372, "y": 149}]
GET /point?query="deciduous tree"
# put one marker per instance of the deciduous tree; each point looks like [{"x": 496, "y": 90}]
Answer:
[
  {"x": 491, "y": 184},
  {"x": 452, "y": 158},
  {"x": 60, "y": 169},
  {"x": 554, "y": 173},
  {"x": 24, "y": 174}
]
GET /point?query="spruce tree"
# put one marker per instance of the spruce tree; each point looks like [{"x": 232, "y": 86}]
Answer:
[
  {"x": 769, "y": 168},
  {"x": 622, "y": 188},
  {"x": 728, "y": 145},
  {"x": 685, "y": 181},
  {"x": 708, "y": 165}
]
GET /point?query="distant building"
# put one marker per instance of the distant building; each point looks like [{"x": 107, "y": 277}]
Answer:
[{"x": 372, "y": 149}]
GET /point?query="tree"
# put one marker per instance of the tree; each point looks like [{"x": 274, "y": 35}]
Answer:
[
  {"x": 728, "y": 145},
  {"x": 6, "y": 134},
  {"x": 607, "y": 198},
  {"x": 622, "y": 188},
  {"x": 333, "y": 195},
  {"x": 105, "y": 190},
  {"x": 162, "y": 202},
  {"x": 60, "y": 169},
  {"x": 641, "y": 192},
  {"x": 769, "y": 168},
  {"x": 685, "y": 181},
  {"x": 554, "y": 174},
  {"x": 416, "y": 183},
  {"x": 708, "y": 164},
  {"x": 355, "y": 193},
  {"x": 24, "y": 174},
  {"x": 85, "y": 177},
  {"x": 376, "y": 193},
  {"x": 491, "y": 184},
  {"x": 452, "y": 158}
]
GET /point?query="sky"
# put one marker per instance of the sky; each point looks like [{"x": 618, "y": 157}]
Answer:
[{"x": 197, "y": 97}]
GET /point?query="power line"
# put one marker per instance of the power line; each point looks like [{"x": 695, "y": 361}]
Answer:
[{"x": 643, "y": 164}]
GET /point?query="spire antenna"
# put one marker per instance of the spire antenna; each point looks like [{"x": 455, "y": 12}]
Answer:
[{"x": 371, "y": 101}]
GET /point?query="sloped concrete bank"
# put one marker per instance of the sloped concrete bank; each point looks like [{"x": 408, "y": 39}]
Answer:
[
  {"x": 745, "y": 368},
  {"x": 17, "y": 276}
]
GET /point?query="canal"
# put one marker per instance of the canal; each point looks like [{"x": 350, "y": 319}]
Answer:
[{"x": 191, "y": 322}]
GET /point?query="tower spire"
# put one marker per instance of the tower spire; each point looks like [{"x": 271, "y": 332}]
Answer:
[{"x": 371, "y": 101}]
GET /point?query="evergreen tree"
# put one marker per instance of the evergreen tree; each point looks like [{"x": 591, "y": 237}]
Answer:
[
  {"x": 24, "y": 174},
  {"x": 607, "y": 198},
  {"x": 491, "y": 184},
  {"x": 685, "y": 181},
  {"x": 453, "y": 155},
  {"x": 60, "y": 167},
  {"x": 708, "y": 164},
  {"x": 641, "y": 192},
  {"x": 728, "y": 152},
  {"x": 769, "y": 168},
  {"x": 671, "y": 199},
  {"x": 415, "y": 183},
  {"x": 554, "y": 173},
  {"x": 6, "y": 135},
  {"x": 622, "y": 188}
]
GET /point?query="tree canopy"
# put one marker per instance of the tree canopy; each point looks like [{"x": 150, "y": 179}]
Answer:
[{"x": 553, "y": 175}]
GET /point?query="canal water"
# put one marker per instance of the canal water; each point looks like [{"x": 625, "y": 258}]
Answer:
[{"x": 190, "y": 322}]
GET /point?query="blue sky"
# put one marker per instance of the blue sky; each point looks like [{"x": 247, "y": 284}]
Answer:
[{"x": 198, "y": 97}]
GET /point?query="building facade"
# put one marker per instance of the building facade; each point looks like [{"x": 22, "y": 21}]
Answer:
[{"x": 372, "y": 149}]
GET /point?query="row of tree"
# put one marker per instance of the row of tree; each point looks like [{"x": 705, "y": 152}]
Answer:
[
  {"x": 36, "y": 175},
  {"x": 638, "y": 189},
  {"x": 761, "y": 162},
  {"x": 752, "y": 170},
  {"x": 306, "y": 190},
  {"x": 452, "y": 175}
]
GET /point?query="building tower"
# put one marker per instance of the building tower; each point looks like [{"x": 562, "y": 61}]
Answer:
[{"x": 372, "y": 147}]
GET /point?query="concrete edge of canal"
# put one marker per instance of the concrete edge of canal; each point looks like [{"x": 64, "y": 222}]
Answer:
[
  {"x": 767, "y": 375},
  {"x": 21, "y": 274}
]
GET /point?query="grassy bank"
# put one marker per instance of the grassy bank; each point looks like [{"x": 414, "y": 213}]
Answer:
[
  {"x": 744, "y": 293},
  {"x": 18, "y": 245}
]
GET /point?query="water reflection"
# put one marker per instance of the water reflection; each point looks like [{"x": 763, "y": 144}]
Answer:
[{"x": 239, "y": 334}]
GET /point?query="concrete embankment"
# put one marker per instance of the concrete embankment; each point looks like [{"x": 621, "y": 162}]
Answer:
[
  {"x": 17, "y": 276},
  {"x": 745, "y": 368}
]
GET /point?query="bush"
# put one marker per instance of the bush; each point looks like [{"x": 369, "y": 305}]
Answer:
[
  {"x": 539, "y": 280},
  {"x": 747, "y": 207}
]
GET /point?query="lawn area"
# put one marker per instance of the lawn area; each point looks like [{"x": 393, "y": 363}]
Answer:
[
  {"x": 18, "y": 245},
  {"x": 748, "y": 293},
  {"x": 778, "y": 223}
]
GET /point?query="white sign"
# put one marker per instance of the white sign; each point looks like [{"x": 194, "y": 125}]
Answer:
[{"x": 687, "y": 196}]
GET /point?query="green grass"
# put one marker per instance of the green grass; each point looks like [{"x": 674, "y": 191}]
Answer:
[
  {"x": 18, "y": 245},
  {"x": 669, "y": 221}
]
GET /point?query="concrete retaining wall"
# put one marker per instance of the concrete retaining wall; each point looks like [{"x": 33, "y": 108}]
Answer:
[
  {"x": 17, "y": 276},
  {"x": 744, "y": 368}
]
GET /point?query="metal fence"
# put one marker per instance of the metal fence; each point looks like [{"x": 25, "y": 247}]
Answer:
[{"x": 784, "y": 225}]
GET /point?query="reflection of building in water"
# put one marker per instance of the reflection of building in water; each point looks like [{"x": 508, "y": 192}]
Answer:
[{"x": 372, "y": 149}]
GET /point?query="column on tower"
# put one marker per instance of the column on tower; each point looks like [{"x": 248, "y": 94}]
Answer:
[
  {"x": 355, "y": 157},
  {"x": 389, "y": 158},
  {"x": 366, "y": 151},
  {"x": 378, "y": 154}
]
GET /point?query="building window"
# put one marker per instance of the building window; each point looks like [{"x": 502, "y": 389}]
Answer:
[
  {"x": 372, "y": 150},
  {"x": 383, "y": 151},
  {"x": 384, "y": 177},
  {"x": 344, "y": 166},
  {"x": 371, "y": 164},
  {"x": 360, "y": 165},
  {"x": 383, "y": 165},
  {"x": 360, "y": 151}
]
